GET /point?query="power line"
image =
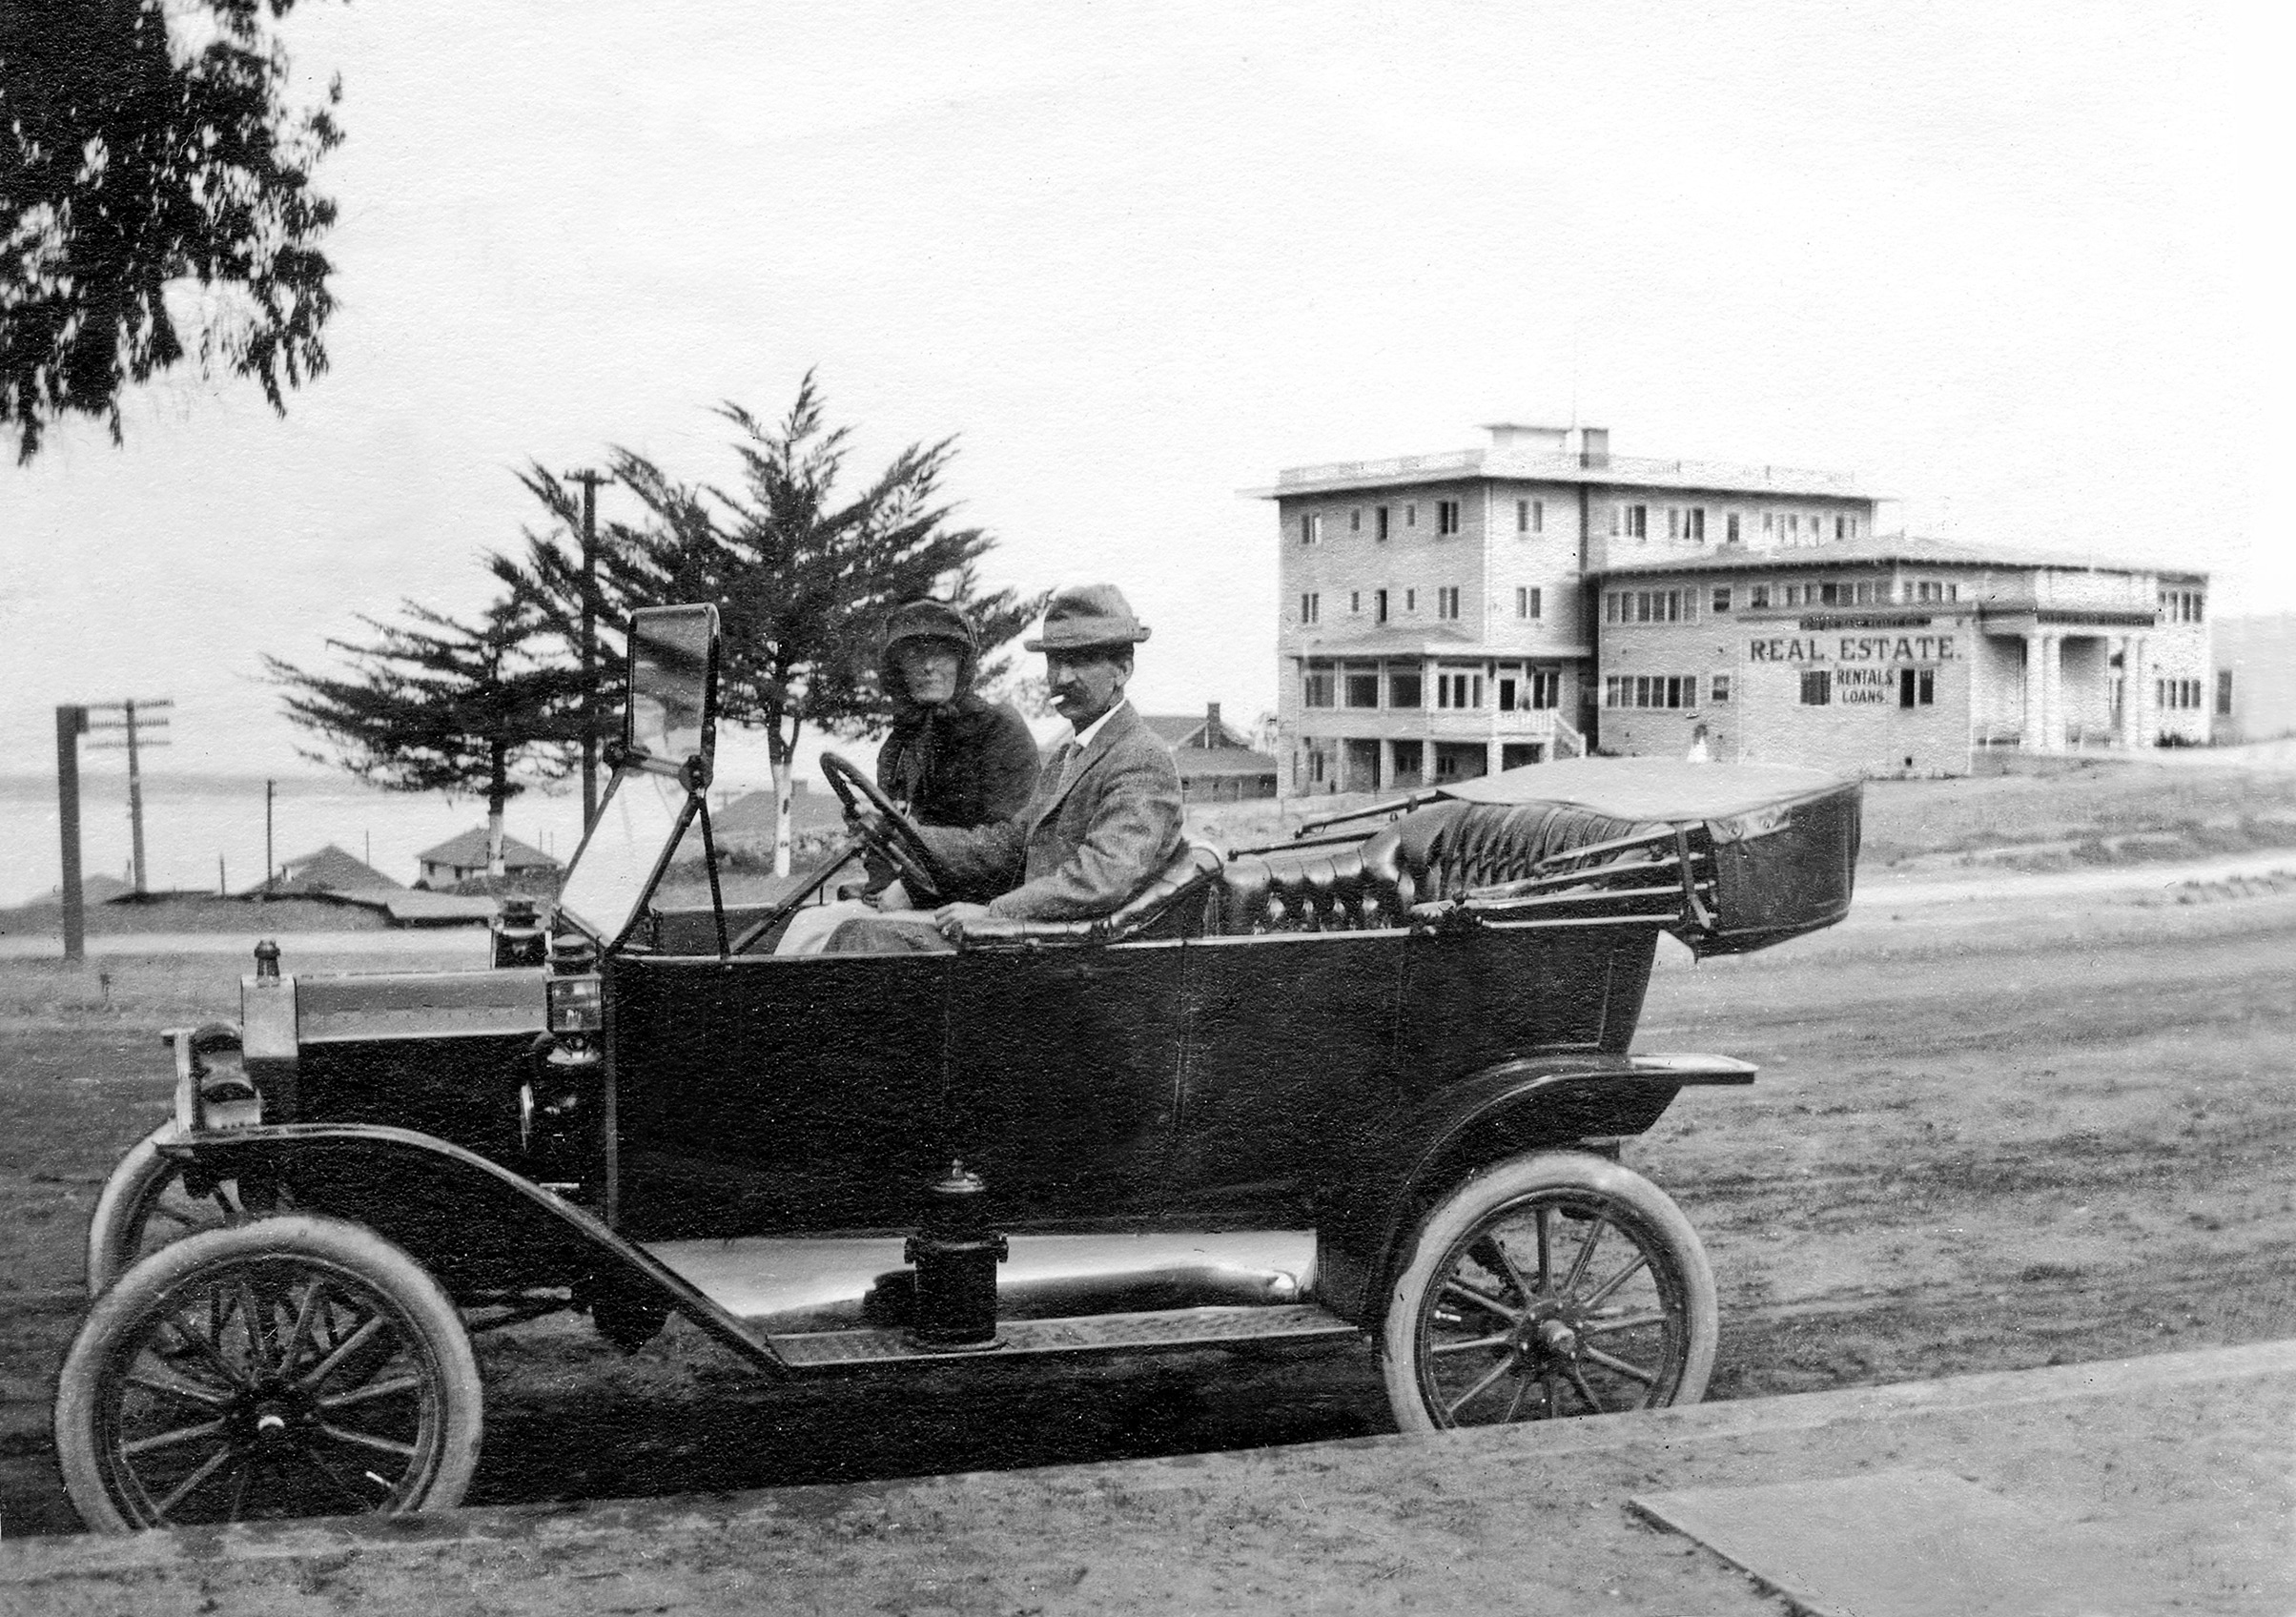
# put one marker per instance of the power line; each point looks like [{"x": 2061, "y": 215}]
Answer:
[{"x": 132, "y": 723}]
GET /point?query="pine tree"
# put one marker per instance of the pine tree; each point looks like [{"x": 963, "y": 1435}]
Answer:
[
  {"x": 801, "y": 575},
  {"x": 434, "y": 704},
  {"x": 153, "y": 183}
]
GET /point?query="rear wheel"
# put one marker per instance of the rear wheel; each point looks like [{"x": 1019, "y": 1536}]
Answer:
[
  {"x": 146, "y": 1204},
  {"x": 295, "y": 1366},
  {"x": 1551, "y": 1285}
]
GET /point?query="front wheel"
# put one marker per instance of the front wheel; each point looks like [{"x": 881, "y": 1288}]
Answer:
[
  {"x": 294, "y": 1367},
  {"x": 1550, "y": 1285},
  {"x": 146, "y": 1204}
]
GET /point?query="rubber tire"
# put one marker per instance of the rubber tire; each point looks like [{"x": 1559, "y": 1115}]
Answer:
[
  {"x": 1482, "y": 1195},
  {"x": 138, "y": 1178},
  {"x": 118, "y": 1315}
]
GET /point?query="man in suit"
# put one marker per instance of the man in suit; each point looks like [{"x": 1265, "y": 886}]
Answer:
[{"x": 1103, "y": 820}]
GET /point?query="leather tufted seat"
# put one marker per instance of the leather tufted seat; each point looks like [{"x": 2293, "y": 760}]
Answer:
[
  {"x": 1173, "y": 905},
  {"x": 1436, "y": 852}
]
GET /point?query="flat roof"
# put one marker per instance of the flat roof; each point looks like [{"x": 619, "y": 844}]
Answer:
[
  {"x": 1621, "y": 471},
  {"x": 1880, "y": 552}
]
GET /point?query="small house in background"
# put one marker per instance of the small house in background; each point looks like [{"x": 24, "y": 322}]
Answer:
[
  {"x": 459, "y": 858},
  {"x": 1216, "y": 764},
  {"x": 331, "y": 870}
]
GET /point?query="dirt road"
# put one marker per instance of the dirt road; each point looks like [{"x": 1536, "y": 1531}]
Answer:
[{"x": 1989, "y": 1134}]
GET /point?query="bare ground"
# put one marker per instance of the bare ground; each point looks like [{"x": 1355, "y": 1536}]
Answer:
[{"x": 1988, "y": 1134}]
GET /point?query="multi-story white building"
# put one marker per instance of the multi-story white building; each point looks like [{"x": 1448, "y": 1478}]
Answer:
[{"x": 1448, "y": 615}]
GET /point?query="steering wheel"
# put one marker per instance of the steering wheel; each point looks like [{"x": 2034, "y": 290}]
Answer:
[{"x": 891, "y": 833}]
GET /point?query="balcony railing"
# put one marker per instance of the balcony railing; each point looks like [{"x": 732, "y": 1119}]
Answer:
[{"x": 1507, "y": 463}]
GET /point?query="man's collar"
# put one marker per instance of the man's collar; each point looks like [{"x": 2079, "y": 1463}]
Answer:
[{"x": 1083, "y": 737}]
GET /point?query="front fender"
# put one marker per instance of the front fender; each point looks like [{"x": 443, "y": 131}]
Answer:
[
  {"x": 1391, "y": 1177},
  {"x": 473, "y": 1223}
]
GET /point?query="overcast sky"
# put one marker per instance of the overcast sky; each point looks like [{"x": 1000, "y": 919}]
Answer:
[{"x": 2008, "y": 262}]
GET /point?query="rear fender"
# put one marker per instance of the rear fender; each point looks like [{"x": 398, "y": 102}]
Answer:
[
  {"x": 473, "y": 1223},
  {"x": 1396, "y": 1172}
]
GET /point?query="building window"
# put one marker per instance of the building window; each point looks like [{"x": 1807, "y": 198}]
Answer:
[
  {"x": 1818, "y": 688},
  {"x": 1379, "y": 523},
  {"x": 1638, "y": 522},
  {"x": 1649, "y": 606},
  {"x": 2182, "y": 696},
  {"x": 1686, "y": 523},
  {"x": 1722, "y": 597},
  {"x": 1459, "y": 691},
  {"x": 1447, "y": 601},
  {"x": 1355, "y": 602},
  {"x": 1410, "y": 601},
  {"x": 1865, "y": 594},
  {"x": 1717, "y": 689},
  {"x": 1359, "y": 688},
  {"x": 1403, "y": 687},
  {"x": 2223, "y": 693},
  {"x": 1917, "y": 688},
  {"x": 2180, "y": 606},
  {"x": 1530, "y": 516},
  {"x": 1506, "y": 685},
  {"x": 1650, "y": 690},
  {"x": 1411, "y": 515},
  {"x": 1379, "y": 604},
  {"x": 1769, "y": 521},
  {"x": 1841, "y": 528},
  {"x": 1315, "y": 686},
  {"x": 1311, "y": 529},
  {"x": 1355, "y": 519},
  {"x": 1729, "y": 528},
  {"x": 1527, "y": 601},
  {"x": 1446, "y": 517},
  {"x": 1758, "y": 595},
  {"x": 1311, "y": 608},
  {"x": 1545, "y": 687}
]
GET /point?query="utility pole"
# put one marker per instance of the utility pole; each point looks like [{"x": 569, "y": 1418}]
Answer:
[
  {"x": 589, "y": 480},
  {"x": 132, "y": 723},
  {"x": 72, "y": 723}
]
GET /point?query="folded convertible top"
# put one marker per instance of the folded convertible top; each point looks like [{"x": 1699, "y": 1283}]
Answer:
[{"x": 1782, "y": 841}]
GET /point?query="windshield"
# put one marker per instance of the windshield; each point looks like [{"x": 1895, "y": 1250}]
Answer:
[
  {"x": 626, "y": 846},
  {"x": 669, "y": 720}
]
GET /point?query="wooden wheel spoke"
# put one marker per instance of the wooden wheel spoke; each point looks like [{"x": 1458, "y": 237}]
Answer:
[
  {"x": 367, "y": 1439},
  {"x": 1544, "y": 1218},
  {"x": 333, "y": 1479},
  {"x": 1585, "y": 1256},
  {"x": 167, "y": 1387},
  {"x": 1482, "y": 1300},
  {"x": 1451, "y": 1411},
  {"x": 207, "y": 1349},
  {"x": 1624, "y": 1322},
  {"x": 1642, "y": 1262},
  {"x": 316, "y": 1377},
  {"x": 1611, "y": 1362},
  {"x": 258, "y": 1328},
  {"x": 1501, "y": 1339},
  {"x": 368, "y": 1394},
  {"x": 304, "y": 1316},
  {"x": 172, "y": 1439},
  {"x": 182, "y": 1490},
  {"x": 1578, "y": 1379},
  {"x": 1500, "y": 1262}
]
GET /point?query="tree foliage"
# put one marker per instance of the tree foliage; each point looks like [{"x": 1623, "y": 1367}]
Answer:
[
  {"x": 434, "y": 704},
  {"x": 803, "y": 572},
  {"x": 154, "y": 182}
]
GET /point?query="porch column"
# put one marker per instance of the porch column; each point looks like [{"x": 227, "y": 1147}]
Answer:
[
  {"x": 2145, "y": 718},
  {"x": 1492, "y": 756},
  {"x": 2052, "y": 688},
  {"x": 1386, "y": 763},
  {"x": 2034, "y": 731},
  {"x": 1427, "y": 763}
]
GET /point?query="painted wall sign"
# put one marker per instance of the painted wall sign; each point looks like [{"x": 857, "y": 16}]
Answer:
[{"x": 1852, "y": 648}]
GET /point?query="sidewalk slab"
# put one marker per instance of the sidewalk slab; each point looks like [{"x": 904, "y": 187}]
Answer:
[{"x": 2182, "y": 1460}]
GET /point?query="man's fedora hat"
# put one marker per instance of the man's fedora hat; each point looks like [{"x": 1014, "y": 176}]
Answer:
[{"x": 1089, "y": 615}]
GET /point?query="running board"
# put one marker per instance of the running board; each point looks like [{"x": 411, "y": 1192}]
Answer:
[{"x": 1162, "y": 1331}]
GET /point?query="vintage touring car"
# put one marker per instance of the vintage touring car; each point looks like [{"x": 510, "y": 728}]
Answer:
[{"x": 1405, "y": 1039}]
